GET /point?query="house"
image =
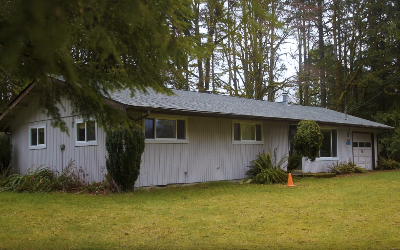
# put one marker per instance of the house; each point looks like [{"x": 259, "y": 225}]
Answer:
[{"x": 190, "y": 136}]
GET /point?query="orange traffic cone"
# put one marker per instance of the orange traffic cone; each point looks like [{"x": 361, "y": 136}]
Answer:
[{"x": 290, "y": 181}]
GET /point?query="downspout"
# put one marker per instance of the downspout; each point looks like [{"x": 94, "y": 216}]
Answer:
[{"x": 143, "y": 116}]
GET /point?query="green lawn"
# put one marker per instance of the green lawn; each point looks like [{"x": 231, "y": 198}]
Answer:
[{"x": 356, "y": 212}]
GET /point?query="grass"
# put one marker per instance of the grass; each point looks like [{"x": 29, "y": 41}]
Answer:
[{"x": 354, "y": 212}]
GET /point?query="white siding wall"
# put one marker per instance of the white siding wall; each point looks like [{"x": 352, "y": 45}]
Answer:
[
  {"x": 90, "y": 160},
  {"x": 345, "y": 152},
  {"x": 210, "y": 154}
]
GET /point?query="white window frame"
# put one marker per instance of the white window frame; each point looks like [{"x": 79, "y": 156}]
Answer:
[
  {"x": 319, "y": 158},
  {"x": 247, "y": 141},
  {"x": 37, "y": 127},
  {"x": 166, "y": 140},
  {"x": 85, "y": 143}
]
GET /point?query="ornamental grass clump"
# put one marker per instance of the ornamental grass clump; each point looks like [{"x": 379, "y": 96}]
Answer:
[
  {"x": 43, "y": 179},
  {"x": 266, "y": 170},
  {"x": 39, "y": 180}
]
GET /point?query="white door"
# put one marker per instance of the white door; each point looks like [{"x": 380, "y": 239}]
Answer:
[{"x": 362, "y": 150}]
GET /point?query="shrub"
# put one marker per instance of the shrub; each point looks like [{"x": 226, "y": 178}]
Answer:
[
  {"x": 125, "y": 148},
  {"x": 69, "y": 180},
  {"x": 308, "y": 139},
  {"x": 104, "y": 187},
  {"x": 390, "y": 141},
  {"x": 294, "y": 161},
  {"x": 388, "y": 164},
  {"x": 5, "y": 154},
  {"x": 43, "y": 179},
  {"x": 40, "y": 180},
  {"x": 266, "y": 170},
  {"x": 346, "y": 168}
]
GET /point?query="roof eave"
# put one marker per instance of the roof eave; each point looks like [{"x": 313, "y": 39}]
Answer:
[{"x": 241, "y": 116}]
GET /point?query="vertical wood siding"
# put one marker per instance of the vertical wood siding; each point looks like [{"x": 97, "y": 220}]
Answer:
[
  {"x": 345, "y": 152},
  {"x": 210, "y": 154},
  {"x": 88, "y": 160}
]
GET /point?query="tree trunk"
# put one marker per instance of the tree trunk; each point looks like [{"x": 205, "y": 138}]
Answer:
[
  {"x": 321, "y": 53},
  {"x": 200, "y": 84}
]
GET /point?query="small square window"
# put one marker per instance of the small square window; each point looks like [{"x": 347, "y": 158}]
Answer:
[
  {"x": 86, "y": 133},
  {"x": 37, "y": 137},
  {"x": 247, "y": 133}
]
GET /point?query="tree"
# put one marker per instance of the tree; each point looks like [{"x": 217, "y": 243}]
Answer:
[
  {"x": 95, "y": 47},
  {"x": 125, "y": 149},
  {"x": 308, "y": 140}
]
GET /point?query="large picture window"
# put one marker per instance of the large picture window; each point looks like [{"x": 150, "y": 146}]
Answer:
[
  {"x": 85, "y": 132},
  {"x": 37, "y": 136},
  {"x": 329, "y": 143},
  {"x": 165, "y": 129},
  {"x": 247, "y": 132}
]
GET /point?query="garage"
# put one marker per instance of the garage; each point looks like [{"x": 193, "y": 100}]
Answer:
[{"x": 363, "y": 150}]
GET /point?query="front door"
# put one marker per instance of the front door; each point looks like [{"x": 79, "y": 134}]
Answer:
[{"x": 362, "y": 150}]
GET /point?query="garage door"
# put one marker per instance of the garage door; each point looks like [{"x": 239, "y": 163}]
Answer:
[{"x": 362, "y": 150}]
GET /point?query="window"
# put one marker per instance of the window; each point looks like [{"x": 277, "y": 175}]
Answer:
[
  {"x": 85, "y": 132},
  {"x": 361, "y": 144},
  {"x": 329, "y": 144},
  {"x": 247, "y": 132},
  {"x": 166, "y": 129},
  {"x": 37, "y": 136}
]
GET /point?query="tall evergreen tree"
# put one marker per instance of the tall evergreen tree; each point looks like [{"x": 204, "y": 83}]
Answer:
[{"x": 95, "y": 46}]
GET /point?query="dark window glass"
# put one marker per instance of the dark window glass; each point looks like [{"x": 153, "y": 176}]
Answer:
[
  {"x": 367, "y": 144},
  {"x": 80, "y": 131},
  {"x": 166, "y": 128},
  {"x": 355, "y": 144},
  {"x": 236, "y": 131},
  {"x": 33, "y": 136},
  {"x": 248, "y": 132},
  {"x": 258, "y": 132},
  {"x": 361, "y": 144},
  {"x": 326, "y": 144},
  {"x": 181, "y": 131},
  {"x": 149, "y": 128},
  {"x": 41, "y": 136},
  {"x": 90, "y": 131},
  {"x": 334, "y": 143}
]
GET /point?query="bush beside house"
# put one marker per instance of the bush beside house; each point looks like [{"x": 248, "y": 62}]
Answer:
[{"x": 125, "y": 149}]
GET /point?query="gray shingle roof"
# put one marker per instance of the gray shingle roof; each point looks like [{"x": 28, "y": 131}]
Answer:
[{"x": 212, "y": 104}]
